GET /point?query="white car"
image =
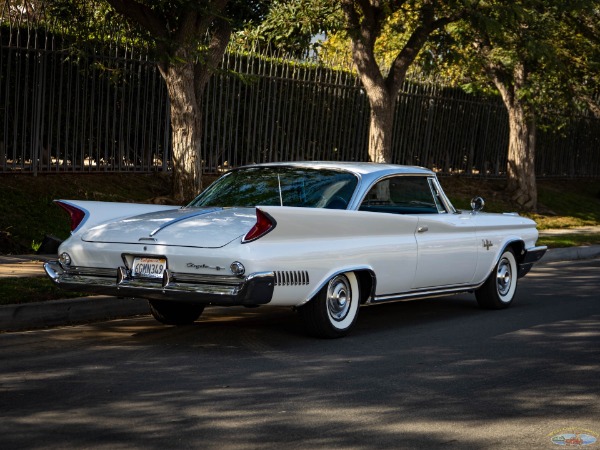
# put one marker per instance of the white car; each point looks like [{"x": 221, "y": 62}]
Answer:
[{"x": 320, "y": 237}]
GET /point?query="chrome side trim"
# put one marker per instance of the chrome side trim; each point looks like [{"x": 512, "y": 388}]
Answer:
[
  {"x": 426, "y": 293},
  {"x": 291, "y": 278}
]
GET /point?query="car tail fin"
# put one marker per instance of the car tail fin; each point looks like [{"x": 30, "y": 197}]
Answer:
[
  {"x": 77, "y": 214},
  {"x": 264, "y": 224}
]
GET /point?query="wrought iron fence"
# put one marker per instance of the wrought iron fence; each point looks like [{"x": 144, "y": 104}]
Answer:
[{"x": 105, "y": 108}]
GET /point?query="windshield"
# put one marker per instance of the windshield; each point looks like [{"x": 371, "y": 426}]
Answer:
[{"x": 281, "y": 186}]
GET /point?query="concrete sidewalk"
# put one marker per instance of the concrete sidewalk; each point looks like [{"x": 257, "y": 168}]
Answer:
[
  {"x": 88, "y": 309},
  {"x": 576, "y": 230},
  {"x": 23, "y": 265}
]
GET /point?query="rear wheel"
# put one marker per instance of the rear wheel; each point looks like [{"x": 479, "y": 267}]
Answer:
[
  {"x": 499, "y": 289},
  {"x": 333, "y": 311},
  {"x": 175, "y": 313}
]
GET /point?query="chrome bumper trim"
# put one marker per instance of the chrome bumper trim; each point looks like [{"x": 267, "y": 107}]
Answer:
[
  {"x": 254, "y": 289},
  {"x": 531, "y": 256},
  {"x": 534, "y": 254}
]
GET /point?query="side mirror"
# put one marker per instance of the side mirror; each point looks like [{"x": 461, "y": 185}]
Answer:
[{"x": 477, "y": 204}]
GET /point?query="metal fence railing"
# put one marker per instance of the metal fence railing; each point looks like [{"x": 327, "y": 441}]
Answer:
[
  {"x": 105, "y": 108},
  {"x": 63, "y": 108}
]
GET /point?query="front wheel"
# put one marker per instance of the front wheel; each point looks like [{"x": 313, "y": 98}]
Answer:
[
  {"x": 175, "y": 313},
  {"x": 499, "y": 289},
  {"x": 333, "y": 311}
]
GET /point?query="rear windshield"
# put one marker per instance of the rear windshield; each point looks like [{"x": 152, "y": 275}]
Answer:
[{"x": 282, "y": 186}]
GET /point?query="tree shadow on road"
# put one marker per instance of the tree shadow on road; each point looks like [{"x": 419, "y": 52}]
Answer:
[{"x": 434, "y": 373}]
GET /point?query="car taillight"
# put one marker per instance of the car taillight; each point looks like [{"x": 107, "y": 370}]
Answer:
[
  {"x": 77, "y": 215},
  {"x": 264, "y": 224}
]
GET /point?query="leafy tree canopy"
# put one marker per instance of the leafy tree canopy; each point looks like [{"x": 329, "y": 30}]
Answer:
[
  {"x": 160, "y": 21},
  {"x": 290, "y": 26},
  {"x": 556, "y": 43}
]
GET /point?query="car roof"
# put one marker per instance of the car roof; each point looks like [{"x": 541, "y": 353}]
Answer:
[{"x": 362, "y": 168}]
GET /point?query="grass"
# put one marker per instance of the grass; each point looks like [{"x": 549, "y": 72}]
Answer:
[
  {"x": 27, "y": 212},
  {"x": 561, "y": 203},
  {"x": 31, "y": 289},
  {"x": 569, "y": 240}
]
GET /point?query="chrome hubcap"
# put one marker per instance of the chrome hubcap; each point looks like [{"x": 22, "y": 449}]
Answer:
[
  {"x": 339, "y": 298},
  {"x": 504, "y": 277}
]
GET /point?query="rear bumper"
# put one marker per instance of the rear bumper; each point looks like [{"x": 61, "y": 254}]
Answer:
[
  {"x": 254, "y": 289},
  {"x": 531, "y": 256}
]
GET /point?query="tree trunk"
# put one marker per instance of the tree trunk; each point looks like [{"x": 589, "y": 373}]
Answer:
[
  {"x": 521, "y": 158},
  {"x": 381, "y": 126},
  {"x": 186, "y": 124},
  {"x": 186, "y": 73},
  {"x": 520, "y": 170}
]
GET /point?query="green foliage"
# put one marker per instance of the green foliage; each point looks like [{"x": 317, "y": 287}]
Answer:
[
  {"x": 32, "y": 289},
  {"x": 569, "y": 240},
  {"x": 540, "y": 35},
  {"x": 290, "y": 26},
  {"x": 96, "y": 21},
  {"x": 28, "y": 213},
  {"x": 35, "y": 246},
  {"x": 558, "y": 43}
]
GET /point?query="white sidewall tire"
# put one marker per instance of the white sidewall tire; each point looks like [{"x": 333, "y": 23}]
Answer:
[
  {"x": 499, "y": 289},
  {"x": 354, "y": 295},
  {"x": 509, "y": 258},
  {"x": 333, "y": 311}
]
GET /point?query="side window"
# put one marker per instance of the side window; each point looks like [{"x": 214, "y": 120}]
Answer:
[{"x": 402, "y": 195}]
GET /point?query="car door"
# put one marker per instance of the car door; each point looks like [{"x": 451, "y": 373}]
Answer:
[
  {"x": 447, "y": 245},
  {"x": 446, "y": 241},
  {"x": 447, "y": 250}
]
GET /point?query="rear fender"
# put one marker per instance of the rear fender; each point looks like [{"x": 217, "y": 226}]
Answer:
[{"x": 95, "y": 213}]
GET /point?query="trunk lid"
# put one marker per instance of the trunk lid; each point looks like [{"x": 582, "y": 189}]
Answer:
[{"x": 186, "y": 227}]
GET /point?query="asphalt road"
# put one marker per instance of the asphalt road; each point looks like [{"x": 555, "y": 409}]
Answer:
[{"x": 428, "y": 374}]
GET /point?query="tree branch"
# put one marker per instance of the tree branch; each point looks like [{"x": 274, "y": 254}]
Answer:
[
  {"x": 214, "y": 54},
  {"x": 143, "y": 15},
  {"x": 415, "y": 43},
  {"x": 592, "y": 105}
]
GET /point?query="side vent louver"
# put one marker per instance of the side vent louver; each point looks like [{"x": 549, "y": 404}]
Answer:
[{"x": 291, "y": 278}]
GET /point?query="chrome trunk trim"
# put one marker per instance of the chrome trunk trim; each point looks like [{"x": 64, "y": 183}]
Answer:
[{"x": 182, "y": 218}]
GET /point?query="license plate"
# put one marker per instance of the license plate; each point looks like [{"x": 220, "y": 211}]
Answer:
[{"x": 148, "y": 267}]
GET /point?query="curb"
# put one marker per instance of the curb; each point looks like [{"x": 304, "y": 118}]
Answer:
[
  {"x": 571, "y": 253},
  {"x": 74, "y": 311}
]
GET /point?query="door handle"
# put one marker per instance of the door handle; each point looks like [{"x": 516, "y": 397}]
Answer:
[{"x": 422, "y": 229}]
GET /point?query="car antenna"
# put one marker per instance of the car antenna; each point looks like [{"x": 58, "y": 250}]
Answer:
[{"x": 280, "y": 196}]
